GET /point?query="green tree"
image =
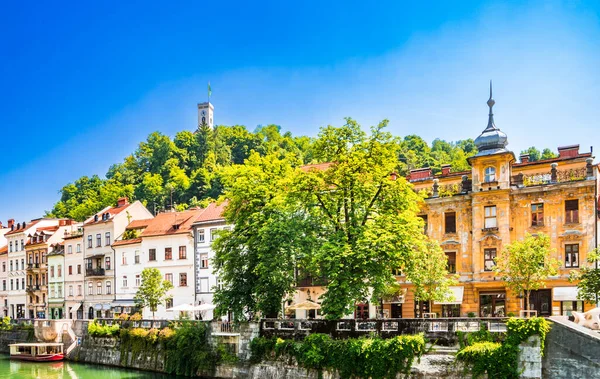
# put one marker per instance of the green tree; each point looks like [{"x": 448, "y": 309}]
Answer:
[
  {"x": 525, "y": 264},
  {"x": 153, "y": 290},
  {"x": 256, "y": 260},
  {"x": 535, "y": 155},
  {"x": 429, "y": 275},
  {"x": 588, "y": 278},
  {"x": 366, "y": 217}
]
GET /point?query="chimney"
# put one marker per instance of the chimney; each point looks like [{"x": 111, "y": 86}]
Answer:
[
  {"x": 445, "y": 169},
  {"x": 420, "y": 174},
  {"x": 11, "y": 223},
  {"x": 122, "y": 201},
  {"x": 524, "y": 158},
  {"x": 570, "y": 151}
]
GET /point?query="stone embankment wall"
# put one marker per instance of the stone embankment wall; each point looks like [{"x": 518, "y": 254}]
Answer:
[
  {"x": 107, "y": 351},
  {"x": 431, "y": 366},
  {"x": 572, "y": 351},
  {"x": 14, "y": 336}
]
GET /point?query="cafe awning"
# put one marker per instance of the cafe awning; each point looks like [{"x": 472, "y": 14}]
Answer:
[
  {"x": 75, "y": 308},
  {"x": 456, "y": 294},
  {"x": 565, "y": 294},
  {"x": 305, "y": 305}
]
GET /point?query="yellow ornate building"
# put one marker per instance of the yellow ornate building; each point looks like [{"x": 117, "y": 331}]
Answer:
[{"x": 475, "y": 214}]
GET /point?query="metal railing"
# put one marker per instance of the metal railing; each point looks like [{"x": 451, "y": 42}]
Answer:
[
  {"x": 439, "y": 328},
  {"x": 94, "y": 271}
]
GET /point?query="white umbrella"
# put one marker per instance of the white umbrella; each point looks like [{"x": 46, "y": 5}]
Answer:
[
  {"x": 183, "y": 308},
  {"x": 205, "y": 307}
]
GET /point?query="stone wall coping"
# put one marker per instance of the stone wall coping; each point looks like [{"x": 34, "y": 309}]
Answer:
[{"x": 579, "y": 329}]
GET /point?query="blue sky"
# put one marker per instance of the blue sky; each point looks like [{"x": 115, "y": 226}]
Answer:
[{"x": 83, "y": 84}]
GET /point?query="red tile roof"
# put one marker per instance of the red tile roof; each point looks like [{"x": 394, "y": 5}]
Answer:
[
  {"x": 113, "y": 211},
  {"x": 139, "y": 224},
  {"x": 4, "y": 249},
  {"x": 127, "y": 242},
  {"x": 172, "y": 223},
  {"x": 21, "y": 230},
  {"x": 213, "y": 212},
  {"x": 49, "y": 228},
  {"x": 552, "y": 160}
]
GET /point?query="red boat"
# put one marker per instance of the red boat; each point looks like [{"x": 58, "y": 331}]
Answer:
[{"x": 37, "y": 352}]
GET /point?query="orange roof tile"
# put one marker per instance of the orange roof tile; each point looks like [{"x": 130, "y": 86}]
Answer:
[
  {"x": 110, "y": 210},
  {"x": 552, "y": 160},
  {"x": 213, "y": 212},
  {"x": 49, "y": 228},
  {"x": 127, "y": 242},
  {"x": 4, "y": 249},
  {"x": 172, "y": 223},
  {"x": 21, "y": 230},
  {"x": 139, "y": 224}
]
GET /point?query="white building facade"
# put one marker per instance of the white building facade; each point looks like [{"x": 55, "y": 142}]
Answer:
[
  {"x": 165, "y": 243},
  {"x": 205, "y": 231},
  {"x": 74, "y": 274},
  {"x": 99, "y": 232}
]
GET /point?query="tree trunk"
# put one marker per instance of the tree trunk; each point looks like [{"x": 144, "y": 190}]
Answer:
[{"x": 527, "y": 294}]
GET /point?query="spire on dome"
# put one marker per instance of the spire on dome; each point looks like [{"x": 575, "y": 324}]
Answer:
[{"x": 492, "y": 140}]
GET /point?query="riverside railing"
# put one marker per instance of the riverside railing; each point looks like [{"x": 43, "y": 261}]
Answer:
[{"x": 442, "y": 329}]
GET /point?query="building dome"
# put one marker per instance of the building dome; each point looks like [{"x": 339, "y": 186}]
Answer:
[{"x": 492, "y": 140}]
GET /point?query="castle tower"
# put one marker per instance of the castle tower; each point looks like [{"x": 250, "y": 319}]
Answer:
[{"x": 205, "y": 114}]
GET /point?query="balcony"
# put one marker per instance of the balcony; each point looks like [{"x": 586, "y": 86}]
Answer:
[
  {"x": 33, "y": 288},
  {"x": 94, "y": 271},
  {"x": 32, "y": 266},
  {"x": 310, "y": 281}
]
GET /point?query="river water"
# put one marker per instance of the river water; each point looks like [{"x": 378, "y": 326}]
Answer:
[{"x": 68, "y": 370}]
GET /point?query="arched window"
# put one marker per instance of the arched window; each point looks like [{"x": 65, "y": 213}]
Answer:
[{"x": 490, "y": 174}]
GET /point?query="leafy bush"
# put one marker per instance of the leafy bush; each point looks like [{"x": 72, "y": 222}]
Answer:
[
  {"x": 5, "y": 323},
  {"x": 135, "y": 317},
  {"x": 482, "y": 335},
  {"x": 97, "y": 330},
  {"x": 166, "y": 333},
  {"x": 354, "y": 357},
  {"x": 122, "y": 316},
  {"x": 188, "y": 351},
  {"x": 500, "y": 360}
]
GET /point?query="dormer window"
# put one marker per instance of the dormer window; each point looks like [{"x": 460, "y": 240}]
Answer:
[
  {"x": 490, "y": 174},
  {"x": 95, "y": 218}
]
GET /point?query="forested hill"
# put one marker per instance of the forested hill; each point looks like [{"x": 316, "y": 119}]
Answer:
[{"x": 186, "y": 170}]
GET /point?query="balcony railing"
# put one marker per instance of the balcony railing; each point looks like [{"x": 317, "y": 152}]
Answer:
[
  {"x": 94, "y": 271},
  {"x": 31, "y": 266},
  {"x": 310, "y": 281},
  {"x": 33, "y": 288}
]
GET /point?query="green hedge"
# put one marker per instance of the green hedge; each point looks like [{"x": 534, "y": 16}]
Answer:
[
  {"x": 96, "y": 329},
  {"x": 354, "y": 357},
  {"x": 500, "y": 359}
]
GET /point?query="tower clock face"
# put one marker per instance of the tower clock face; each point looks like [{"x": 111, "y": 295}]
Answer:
[{"x": 203, "y": 113}]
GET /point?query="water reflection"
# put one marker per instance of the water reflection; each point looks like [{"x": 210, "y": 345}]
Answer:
[{"x": 67, "y": 370}]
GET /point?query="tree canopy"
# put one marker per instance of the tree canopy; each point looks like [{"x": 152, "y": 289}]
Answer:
[
  {"x": 535, "y": 155},
  {"x": 352, "y": 221},
  {"x": 588, "y": 278},
  {"x": 526, "y": 264},
  {"x": 153, "y": 289}
]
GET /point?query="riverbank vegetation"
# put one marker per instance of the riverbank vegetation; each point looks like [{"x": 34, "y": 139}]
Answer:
[
  {"x": 183, "y": 347},
  {"x": 370, "y": 357},
  {"x": 498, "y": 357}
]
